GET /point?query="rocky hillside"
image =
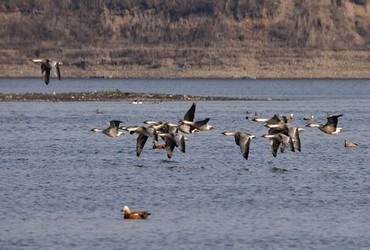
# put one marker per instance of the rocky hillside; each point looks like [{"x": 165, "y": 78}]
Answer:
[{"x": 188, "y": 38}]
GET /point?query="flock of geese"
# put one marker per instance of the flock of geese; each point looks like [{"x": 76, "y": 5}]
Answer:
[
  {"x": 281, "y": 134},
  {"x": 172, "y": 135}
]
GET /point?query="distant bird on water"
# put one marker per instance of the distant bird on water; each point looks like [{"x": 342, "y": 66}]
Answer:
[
  {"x": 46, "y": 66},
  {"x": 350, "y": 144},
  {"x": 134, "y": 215}
]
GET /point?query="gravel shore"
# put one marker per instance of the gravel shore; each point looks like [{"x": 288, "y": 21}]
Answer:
[{"x": 116, "y": 95}]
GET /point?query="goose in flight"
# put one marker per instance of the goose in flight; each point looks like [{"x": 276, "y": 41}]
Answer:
[
  {"x": 143, "y": 134},
  {"x": 173, "y": 140},
  {"x": 46, "y": 66},
  {"x": 134, "y": 215},
  {"x": 242, "y": 139},
  {"x": 277, "y": 140},
  {"x": 330, "y": 127},
  {"x": 282, "y": 134},
  {"x": 112, "y": 131},
  {"x": 196, "y": 126}
]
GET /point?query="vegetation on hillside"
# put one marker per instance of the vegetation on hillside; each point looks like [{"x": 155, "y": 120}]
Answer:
[{"x": 134, "y": 32}]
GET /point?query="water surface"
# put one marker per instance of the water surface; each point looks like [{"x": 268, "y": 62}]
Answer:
[{"x": 63, "y": 186}]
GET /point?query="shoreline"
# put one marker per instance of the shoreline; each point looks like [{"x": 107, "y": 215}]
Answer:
[
  {"x": 117, "y": 95},
  {"x": 93, "y": 77}
]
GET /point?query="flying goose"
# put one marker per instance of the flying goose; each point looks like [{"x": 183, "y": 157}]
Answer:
[
  {"x": 196, "y": 126},
  {"x": 276, "y": 122},
  {"x": 143, "y": 134},
  {"x": 350, "y": 144},
  {"x": 162, "y": 126},
  {"x": 112, "y": 131},
  {"x": 134, "y": 215},
  {"x": 330, "y": 127},
  {"x": 278, "y": 125},
  {"x": 278, "y": 140},
  {"x": 46, "y": 66},
  {"x": 173, "y": 140},
  {"x": 242, "y": 139}
]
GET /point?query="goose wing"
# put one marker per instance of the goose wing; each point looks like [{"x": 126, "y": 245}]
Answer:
[
  {"x": 244, "y": 145},
  {"x": 170, "y": 145},
  {"x": 189, "y": 116},
  {"x": 294, "y": 136},
  {"x": 332, "y": 120},
  {"x": 140, "y": 142}
]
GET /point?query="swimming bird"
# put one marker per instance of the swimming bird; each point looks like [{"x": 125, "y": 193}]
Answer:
[
  {"x": 288, "y": 118},
  {"x": 309, "y": 118},
  {"x": 112, "y": 131},
  {"x": 99, "y": 112},
  {"x": 137, "y": 102},
  {"x": 46, "y": 66},
  {"x": 242, "y": 139},
  {"x": 350, "y": 144},
  {"x": 157, "y": 145},
  {"x": 330, "y": 127},
  {"x": 134, "y": 215}
]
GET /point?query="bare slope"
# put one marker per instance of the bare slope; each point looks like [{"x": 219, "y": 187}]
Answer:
[{"x": 188, "y": 38}]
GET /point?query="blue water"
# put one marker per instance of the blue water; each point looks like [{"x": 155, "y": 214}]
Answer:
[{"x": 63, "y": 186}]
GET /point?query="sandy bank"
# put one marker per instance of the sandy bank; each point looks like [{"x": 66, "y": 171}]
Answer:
[{"x": 109, "y": 96}]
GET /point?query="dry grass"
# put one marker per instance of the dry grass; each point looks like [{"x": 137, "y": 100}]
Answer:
[{"x": 188, "y": 38}]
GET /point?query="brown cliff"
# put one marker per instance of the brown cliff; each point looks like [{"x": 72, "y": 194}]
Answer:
[{"x": 188, "y": 38}]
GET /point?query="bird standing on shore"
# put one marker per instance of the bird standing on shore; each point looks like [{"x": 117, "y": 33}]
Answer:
[{"x": 46, "y": 66}]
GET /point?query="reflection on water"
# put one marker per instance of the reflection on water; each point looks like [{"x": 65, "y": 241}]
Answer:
[{"x": 63, "y": 186}]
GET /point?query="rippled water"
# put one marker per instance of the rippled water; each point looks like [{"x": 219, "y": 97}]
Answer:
[{"x": 63, "y": 186}]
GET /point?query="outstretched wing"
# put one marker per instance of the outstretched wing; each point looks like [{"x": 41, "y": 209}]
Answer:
[
  {"x": 189, "y": 116},
  {"x": 244, "y": 145},
  {"x": 140, "y": 142}
]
